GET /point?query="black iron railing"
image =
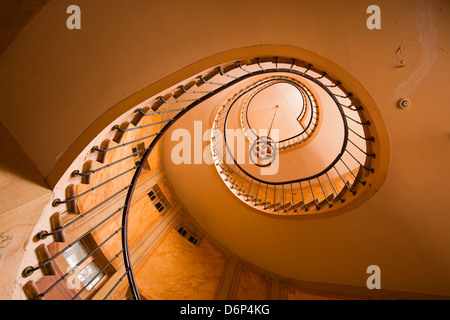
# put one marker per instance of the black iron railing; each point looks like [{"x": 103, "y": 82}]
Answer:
[
  {"x": 308, "y": 112},
  {"x": 167, "y": 109},
  {"x": 232, "y": 171}
]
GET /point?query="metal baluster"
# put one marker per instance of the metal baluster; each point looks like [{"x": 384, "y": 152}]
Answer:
[
  {"x": 265, "y": 198},
  {"x": 337, "y": 195},
  {"x": 372, "y": 170},
  {"x": 257, "y": 191},
  {"x": 274, "y": 199},
  {"x": 345, "y": 183},
  {"x": 323, "y": 191},
  {"x": 292, "y": 196},
  {"x": 250, "y": 188},
  {"x": 303, "y": 198},
  {"x": 312, "y": 191}
]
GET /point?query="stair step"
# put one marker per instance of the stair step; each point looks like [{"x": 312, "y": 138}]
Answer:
[
  {"x": 286, "y": 207},
  {"x": 56, "y": 224},
  {"x": 296, "y": 206},
  {"x": 275, "y": 205},
  {"x": 242, "y": 192},
  {"x": 43, "y": 256},
  {"x": 312, "y": 203},
  {"x": 358, "y": 179},
  {"x": 324, "y": 201},
  {"x": 71, "y": 193},
  {"x": 31, "y": 291},
  {"x": 257, "y": 202}
]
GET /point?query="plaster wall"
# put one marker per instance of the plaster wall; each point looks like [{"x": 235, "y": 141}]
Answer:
[{"x": 60, "y": 88}]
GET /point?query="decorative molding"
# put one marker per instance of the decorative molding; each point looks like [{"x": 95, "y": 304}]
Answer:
[
  {"x": 228, "y": 278},
  {"x": 5, "y": 242}
]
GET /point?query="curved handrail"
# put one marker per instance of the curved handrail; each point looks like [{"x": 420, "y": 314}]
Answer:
[
  {"x": 343, "y": 148},
  {"x": 301, "y": 89},
  {"x": 274, "y": 81},
  {"x": 126, "y": 253},
  {"x": 222, "y": 87},
  {"x": 209, "y": 80}
]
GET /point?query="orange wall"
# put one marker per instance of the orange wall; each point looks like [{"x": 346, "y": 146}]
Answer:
[
  {"x": 176, "y": 269},
  {"x": 74, "y": 78},
  {"x": 249, "y": 285}
]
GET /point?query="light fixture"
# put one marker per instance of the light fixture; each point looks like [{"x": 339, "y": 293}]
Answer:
[{"x": 404, "y": 103}]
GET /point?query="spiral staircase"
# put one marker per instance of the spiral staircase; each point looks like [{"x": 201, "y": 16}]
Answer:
[
  {"x": 308, "y": 167},
  {"x": 81, "y": 247}
]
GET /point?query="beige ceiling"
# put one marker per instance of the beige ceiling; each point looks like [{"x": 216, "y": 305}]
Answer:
[
  {"x": 14, "y": 16},
  {"x": 55, "y": 82},
  {"x": 264, "y": 113}
]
